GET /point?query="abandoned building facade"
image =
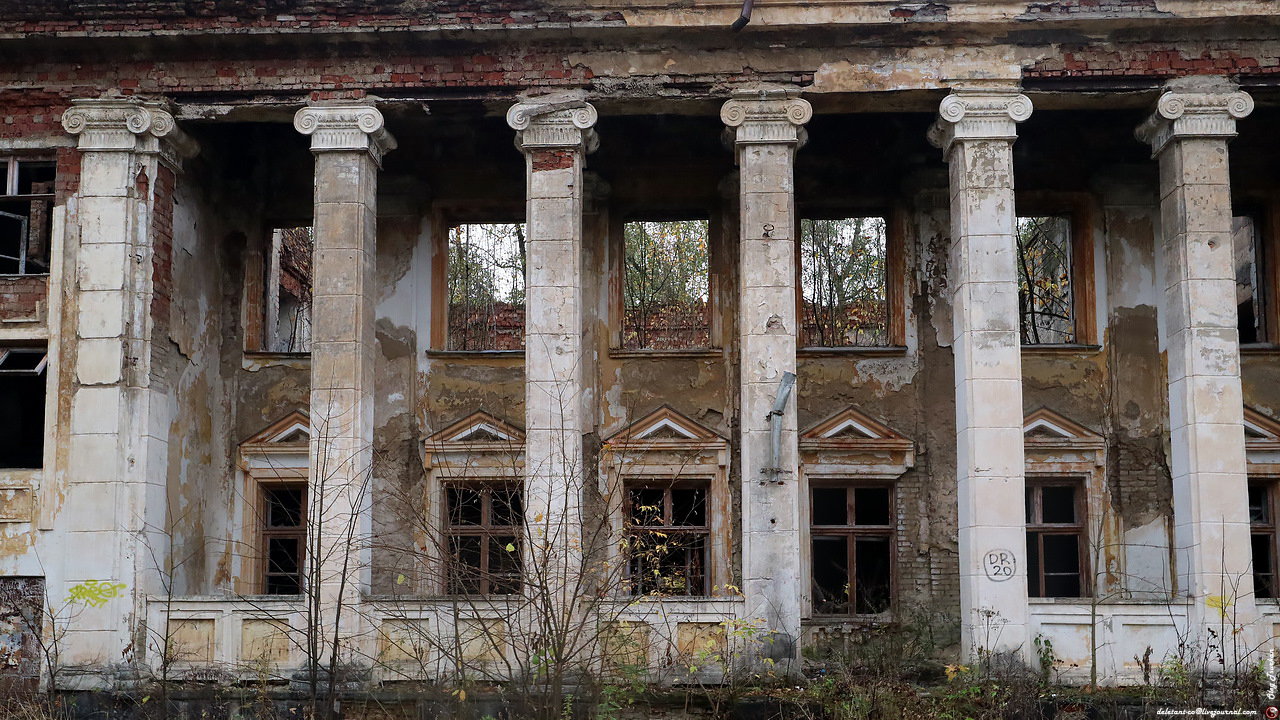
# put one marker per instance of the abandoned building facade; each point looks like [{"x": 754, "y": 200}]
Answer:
[{"x": 444, "y": 327}]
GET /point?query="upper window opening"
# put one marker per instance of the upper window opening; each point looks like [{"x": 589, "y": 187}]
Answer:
[
  {"x": 486, "y": 286},
  {"x": 1262, "y": 530},
  {"x": 22, "y": 393},
  {"x": 666, "y": 285},
  {"x": 1249, "y": 273},
  {"x": 844, "y": 282},
  {"x": 851, "y": 536},
  {"x": 1055, "y": 539},
  {"x": 288, "y": 301},
  {"x": 26, "y": 203},
  {"x": 1046, "y": 315}
]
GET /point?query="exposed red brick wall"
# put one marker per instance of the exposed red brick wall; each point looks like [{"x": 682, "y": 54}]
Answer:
[
  {"x": 31, "y": 112},
  {"x": 552, "y": 160},
  {"x": 1079, "y": 7},
  {"x": 68, "y": 179},
  {"x": 1158, "y": 62},
  {"x": 162, "y": 250},
  {"x": 21, "y": 296}
]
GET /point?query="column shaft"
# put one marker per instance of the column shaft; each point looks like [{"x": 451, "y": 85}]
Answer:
[
  {"x": 767, "y": 126},
  {"x": 1189, "y": 132},
  {"x": 348, "y": 142},
  {"x": 976, "y": 130}
]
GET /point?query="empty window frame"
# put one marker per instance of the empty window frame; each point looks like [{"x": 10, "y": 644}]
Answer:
[
  {"x": 483, "y": 522},
  {"x": 288, "y": 290},
  {"x": 1251, "y": 279},
  {"x": 1056, "y": 539},
  {"x": 1262, "y": 531},
  {"x": 851, "y": 536},
  {"x": 1046, "y": 302},
  {"x": 26, "y": 203},
  {"x": 486, "y": 286},
  {"x": 668, "y": 537},
  {"x": 666, "y": 285},
  {"x": 22, "y": 393},
  {"x": 845, "y": 275},
  {"x": 283, "y": 537}
]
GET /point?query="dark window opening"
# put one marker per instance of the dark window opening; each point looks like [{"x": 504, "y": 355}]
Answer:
[
  {"x": 484, "y": 523},
  {"x": 1262, "y": 529},
  {"x": 1044, "y": 280},
  {"x": 288, "y": 300},
  {"x": 667, "y": 539},
  {"x": 1055, "y": 539},
  {"x": 284, "y": 537},
  {"x": 852, "y": 561},
  {"x": 486, "y": 275},
  {"x": 22, "y": 394},
  {"x": 26, "y": 205},
  {"x": 844, "y": 285},
  {"x": 666, "y": 285},
  {"x": 1248, "y": 273}
]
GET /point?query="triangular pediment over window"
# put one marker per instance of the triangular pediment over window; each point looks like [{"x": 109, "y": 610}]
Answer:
[
  {"x": 1261, "y": 432},
  {"x": 1045, "y": 424},
  {"x": 478, "y": 428},
  {"x": 292, "y": 429},
  {"x": 852, "y": 437},
  {"x": 1051, "y": 438},
  {"x": 665, "y": 426}
]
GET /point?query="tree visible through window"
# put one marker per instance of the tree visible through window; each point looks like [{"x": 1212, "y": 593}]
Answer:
[
  {"x": 26, "y": 200},
  {"x": 486, "y": 269},
  {"x": 1044, "y": 281},
  {"x": 666, "y": 285},
  {"x": 843, "y": 281},
  {"x": 668, "y": 537},
  {"x": 851, "y": 536}
]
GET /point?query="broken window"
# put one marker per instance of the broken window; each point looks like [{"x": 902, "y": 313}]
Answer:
[
  {"x": 1055, "y": 539},
  {"x": 1262, "y": 529},
  {"x": 668, "y": 537},
  {"x": 844, "y": 282},
  {"x": 284, "y": 538},
  {"x": 22, "y": 389},
  {"x": 288, "y": 297},
  {"x": 666, "y": 285},
  {"x": 486, "y": 286},
  {"x": 1045, "y": 310},
  {"x": 484, "y": 521},
  {"x": 851, "y": 538},
  {"x": 1248, "y": 271},
  {"x": 26, "y": 202}
]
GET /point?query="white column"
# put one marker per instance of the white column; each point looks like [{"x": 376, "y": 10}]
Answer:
[
  {"x": 115, "y": 511},
  {"x": 348, "y": 141},
  {"x": 555, "y": 133},
  {"x": 767, "y": 125},
  {"x": 976, "y": 129},
  {"x": 1188, "y": 134}
]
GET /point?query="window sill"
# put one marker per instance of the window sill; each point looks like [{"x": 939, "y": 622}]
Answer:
[
  {"x": 1259, "y": 349},
  {"x": 1063, "y": 349},
  {"x": 882, "y": 351},
  {"x": 690, "y": 353},
  {"x": 475, "y": 354},
  {"x": 843, "y": 620},
  {"x": 257, "y": 360}
]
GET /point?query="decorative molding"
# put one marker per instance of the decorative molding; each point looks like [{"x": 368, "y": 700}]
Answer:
[
  {"x": 979, "y": 113},
  {"x": 852, "y": 431},
  {"x": 1050, "y": 437},
  {"x": 345, "y": 128},
  {"x": 141, "y": 126},
  {"x": 1180, "y": 115},
  {"x": 665, "y": 429},
  {"x": 769, "y": 115},
  {"x": 561, "y": 122},
  {"x": 1261, "y": 432},
  {"x": 478, "y": 428},
  {"x": 284, "y": 444},
  {"x": 478, "y": 445}
]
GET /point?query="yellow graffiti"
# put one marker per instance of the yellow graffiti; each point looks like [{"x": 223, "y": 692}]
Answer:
[
  {"x": 1219, "y": 603},
  {"x": 95, "y": 593}
]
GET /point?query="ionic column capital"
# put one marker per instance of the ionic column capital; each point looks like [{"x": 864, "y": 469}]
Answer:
[
  {"x": 563, "y": 122},
  {"x": 768, "y": 115},
  {"x": 128, "y": 125},
  {"x": 1184, "y": 113},
  {"x": 347, "y": 127},
  {"x": 979, "y": 113}
]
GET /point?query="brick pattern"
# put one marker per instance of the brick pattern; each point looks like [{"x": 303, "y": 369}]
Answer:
[
  {"x": 31, "y": 111},
  {"x": 1091, "y": 7},
  {"x": 551, "y": 160},
  {"x": 1155, "y": 62},
  {"x": 23, "y": 296},
  {"x": 162, "y": 250}
]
